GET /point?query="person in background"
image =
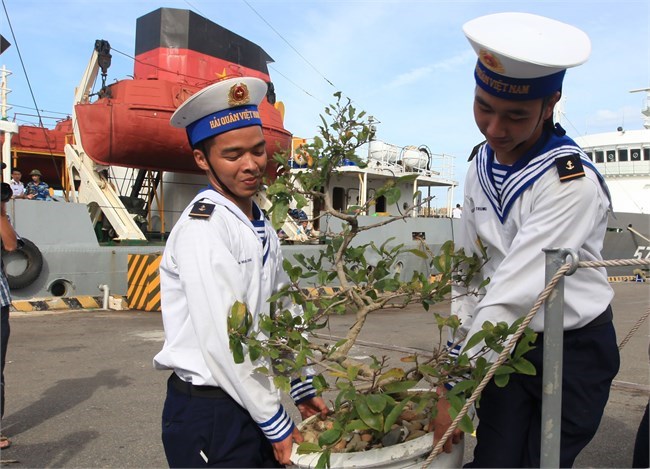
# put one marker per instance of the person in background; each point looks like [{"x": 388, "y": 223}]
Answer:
[
  {"x": 530, "y": 187},
  {"x": 17, "y": 186},
  {"x": 37, "y": 189},
  {"x": 457, "y": 211},
  {"x": 223, "y": 250},
  {"x": 9, "y": 242}
]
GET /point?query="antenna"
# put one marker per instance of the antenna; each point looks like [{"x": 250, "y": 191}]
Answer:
[{"x": 646, "y": 109}]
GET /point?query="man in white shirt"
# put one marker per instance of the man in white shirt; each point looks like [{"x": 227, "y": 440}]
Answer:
[
  {"x": 530, "y": 187},
  {"x": 17, "y": 186},
  {"x": 456, "y": 212},
  {"x": 223, "y": 250}
]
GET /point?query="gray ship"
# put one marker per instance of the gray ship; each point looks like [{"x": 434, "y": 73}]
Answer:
[{"x": 623, "y": 158}]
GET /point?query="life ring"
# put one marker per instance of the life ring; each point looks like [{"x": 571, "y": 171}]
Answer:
[{"x": 32, "y": 257}]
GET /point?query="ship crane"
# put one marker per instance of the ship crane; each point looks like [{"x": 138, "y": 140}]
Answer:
[{"x": 89, "y": 182}]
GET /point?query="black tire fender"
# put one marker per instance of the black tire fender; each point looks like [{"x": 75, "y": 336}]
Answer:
[{"x": 32, "y": 256}]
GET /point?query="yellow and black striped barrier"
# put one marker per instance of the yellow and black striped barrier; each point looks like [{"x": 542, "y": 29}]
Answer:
[
  {"x": 143, "y": 282},
  {"x": 624, "y": 278},
  {"x": 61, "y": 303}
]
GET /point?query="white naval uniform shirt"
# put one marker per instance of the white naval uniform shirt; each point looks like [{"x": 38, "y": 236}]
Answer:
[
  {"x": 547, "y": 213},
  {"x": 207, "y": 265},
  {"x": 17, "y": 188}
]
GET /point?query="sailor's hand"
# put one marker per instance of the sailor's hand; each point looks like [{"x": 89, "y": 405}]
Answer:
[
  {"x": 313, "y": 406},
  {"x": 441, "y": 423},
  {"x": 282, "y": 449}
]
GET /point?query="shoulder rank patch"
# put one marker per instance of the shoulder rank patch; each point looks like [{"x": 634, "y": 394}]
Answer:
[
  {"x": 202, "y": 210},
  {"x": 569, "y": 167}
]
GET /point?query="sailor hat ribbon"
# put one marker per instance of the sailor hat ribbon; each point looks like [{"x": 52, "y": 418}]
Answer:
[
  {"x": 221, "y": 107},
  {"x": 523, "y": 56}
]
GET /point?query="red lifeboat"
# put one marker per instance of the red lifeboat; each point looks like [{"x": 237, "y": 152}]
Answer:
[{"x": 177, "y": 53}]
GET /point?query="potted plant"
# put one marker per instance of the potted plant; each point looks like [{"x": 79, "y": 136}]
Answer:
[{"x": 376, "y": 404}]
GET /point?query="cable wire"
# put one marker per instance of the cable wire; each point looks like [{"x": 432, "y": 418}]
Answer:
[{"x": 288, "y": 43}]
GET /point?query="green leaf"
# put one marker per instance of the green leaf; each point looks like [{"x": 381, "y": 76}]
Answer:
[
  {"x": 237, "y": 315},
  {"x": 374, "y": 421},
  {"x": 475, "y": 339},
  {"x": 392, "y": 374},
  {"x": 340, "y": 342},
  {"x": 281, "y": 382},
  {"x": 324, "y": 460},
  {"x": 523, "y": 366},
  {"x": 484, "y": 283},
  {"x": 237, "y": 350},
  {"x": 392, "y": 195},
  {"x": 329, "y": 437},
  {"x": 356, "y": 424},
  {"x": 466, "y": 424},
  {"x": 394, "y": 413},
  {"x": 387, "y": 284},
  {"x": 254, "y": 352},
  {"x": 504, "y": 370},
  {"x": 523, "y": 346},
  {"x": 462, "y": 387},
  {"x": 301, "y": 200},
  {"x": 320, "y": 383},
  {"x": 501, "y": 380},
  {"x": 353, "y": 371},
  {"x": 376, "y": 402},
  {"x": 279, "y": 214},
  {"x": 306, "y": 447},
  {"x": 429, "y": 370},
  {"x": 398, "y": 386}
]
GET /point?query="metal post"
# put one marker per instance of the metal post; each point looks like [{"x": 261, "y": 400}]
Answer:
[{"x": 552, "y": 362}]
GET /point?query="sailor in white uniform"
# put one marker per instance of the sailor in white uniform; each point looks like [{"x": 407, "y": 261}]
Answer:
[
  {"x": 530, "y": 187},
  {"x": 222, "y": 249}
]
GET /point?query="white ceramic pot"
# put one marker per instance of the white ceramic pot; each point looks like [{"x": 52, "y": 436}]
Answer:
[{"x": 403, "y": 455}]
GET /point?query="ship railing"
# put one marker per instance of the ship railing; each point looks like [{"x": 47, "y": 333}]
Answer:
[{"x": 624, "y": 168}]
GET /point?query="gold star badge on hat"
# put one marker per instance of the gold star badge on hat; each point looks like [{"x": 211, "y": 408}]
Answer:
[
  {"x": 238, "y": 95},
  {"x": 490, "y": 61}
]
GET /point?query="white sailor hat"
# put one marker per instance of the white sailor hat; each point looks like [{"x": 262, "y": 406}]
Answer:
[
  {"x": 523, "y": 56},
  {"x": 223, "y": 106}
]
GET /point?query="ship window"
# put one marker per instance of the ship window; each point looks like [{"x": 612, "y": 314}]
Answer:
[
  {"x": 600, "y": 156},
  {"x": 380, "y": 204},
  {"x": 590, "y": 155},
  {"x": 646, "y": 154},
  {"x": 611, "y": 155},
  {"x": 635, "y": 154},
  {"x": 338, "y": 199},
  {"x": 622, "y": 154}
]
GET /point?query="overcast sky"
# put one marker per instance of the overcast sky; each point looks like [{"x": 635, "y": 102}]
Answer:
[{"x": 405, "y": 62}]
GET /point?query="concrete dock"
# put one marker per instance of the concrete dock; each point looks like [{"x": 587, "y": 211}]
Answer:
[{"x": 81, "y": 391}]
